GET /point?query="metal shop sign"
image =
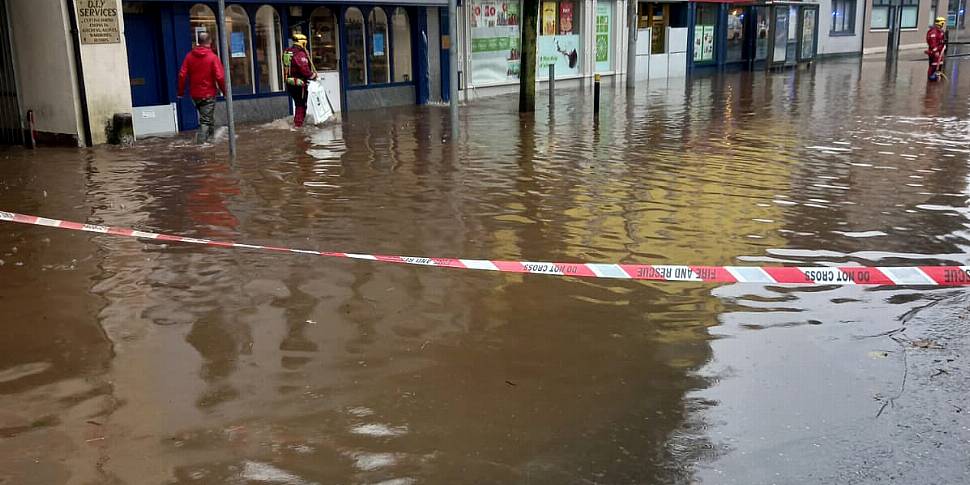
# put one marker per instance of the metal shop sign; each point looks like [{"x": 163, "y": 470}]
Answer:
[{"x": 97, "y": 21}]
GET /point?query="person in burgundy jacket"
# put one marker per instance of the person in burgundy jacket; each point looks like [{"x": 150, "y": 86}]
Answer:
[
  {"x": 297, "y": 72},
  {"x": 205, "y": 74},
  {"x": 936, "y": 48}
]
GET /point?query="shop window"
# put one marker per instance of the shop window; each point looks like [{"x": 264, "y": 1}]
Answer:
[
  {"x": 910, "y": 16},
  {"x": 604, "y": 36},
  {"x": 955, "y": 13},
  {"x": 559, "y": 41},
  {"x": 879, "y": 18},
  {"x": 323, "y": 39},
  {"x": 843, "y": 17},
  {"x": 735, "y": 34},
  {"x": 705, "y": 28},
  {"x": 402, "y": 45},
  {"x": 495, "y": 53},
  {"x": 377, "y": 26},
  {"x": 809, "y": 21},
  {"x": 780, "y": 52},
  {"x": 656, "y": 17},
  {"x": 761, "y": 42},
  {"x": 882, "y": 14},
  {"x": 269, "y": 48},
  {"x": 240, "y": 49},
  {"x": 356, "y": 51},
  {"x": 203, "y": 19}
]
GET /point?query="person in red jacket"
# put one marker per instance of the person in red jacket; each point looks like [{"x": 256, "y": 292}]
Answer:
[
  {"x": 297, "y": 72},
  {"x": 936, "y": 43},
  {"x": 204, "y": 70}
]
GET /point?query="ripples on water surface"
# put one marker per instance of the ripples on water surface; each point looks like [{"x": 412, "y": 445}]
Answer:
[{"x": 151, "y": 363}]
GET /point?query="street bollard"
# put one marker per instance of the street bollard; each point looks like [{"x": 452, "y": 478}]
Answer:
[
  {"x": 596, "y": 97},
  {"x": 552, "y": 83}
]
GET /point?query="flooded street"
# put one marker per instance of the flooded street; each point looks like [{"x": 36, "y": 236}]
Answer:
[{"x": 126, "y": 361}]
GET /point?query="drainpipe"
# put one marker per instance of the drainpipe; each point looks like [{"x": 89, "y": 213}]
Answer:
[{"x": 79, "y": 70}]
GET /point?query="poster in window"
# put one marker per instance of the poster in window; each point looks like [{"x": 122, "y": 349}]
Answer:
[
  {"x": 548, "y": 18},
  {"x": 486, "y": 14},
  {"x": 708, "y": 43},
  {"x": 378, "y": 44},
  {"x": 495, "y": 50},
  {"x": 604, "y": 16},
  {"x": 560, "y": 50},
  {"x": 237, "y": 44},
  {"x": 703, "y": 43},
  {"x": 565, "y": 17},
  {"x": 698, "y": 43}
]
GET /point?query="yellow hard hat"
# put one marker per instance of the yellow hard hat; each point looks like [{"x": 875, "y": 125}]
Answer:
[
  {"x": 299, "y": 39},
  {"x": 940, "y": 21}
]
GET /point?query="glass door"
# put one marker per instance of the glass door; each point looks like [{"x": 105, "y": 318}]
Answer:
[
  {"x": 809, "y": 27},
  {"x": 779, "y": 53},
  {"x": 324, "y": 52}
]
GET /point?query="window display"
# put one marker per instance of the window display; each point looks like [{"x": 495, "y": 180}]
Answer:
[
  {"x": 735, "y": 34},
  {"x": 704, "y": 31},
  {"x": 323, "y": 39},
  {"x": 356, "y": 53},
  {"x": 604, "y": 39},
  {"x": 240, "y": 49},
  {"x": 809, "y": 17},
  {"x": 494, "y": 41},
  {"x": 559, "y": 41}
]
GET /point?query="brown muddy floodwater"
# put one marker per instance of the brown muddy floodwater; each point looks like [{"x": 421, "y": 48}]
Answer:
[{"x": 135, "y": 362}]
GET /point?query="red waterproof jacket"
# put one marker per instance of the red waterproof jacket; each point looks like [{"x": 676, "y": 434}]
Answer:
[
  {"x": 935, "y": 43},
  {"x": 204, "y": 70}
]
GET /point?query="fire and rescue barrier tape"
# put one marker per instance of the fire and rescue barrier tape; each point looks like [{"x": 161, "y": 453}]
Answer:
[{"x": 787, "y": 275}]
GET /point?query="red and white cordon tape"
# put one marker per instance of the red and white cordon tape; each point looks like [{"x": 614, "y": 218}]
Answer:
[{"x": 789, "y": 275}]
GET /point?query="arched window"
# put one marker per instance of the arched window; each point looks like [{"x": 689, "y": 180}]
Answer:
[
  {"x": 402, "y": 45},
  {"x": 240, "y": 49},
  {"x": 269, "y": 47},
  {"x": 377, "y": 26},
  {"x": 202, "y": 19},
  {"x": 356, "y": 51},
  {"x": 323, "y": 39}
]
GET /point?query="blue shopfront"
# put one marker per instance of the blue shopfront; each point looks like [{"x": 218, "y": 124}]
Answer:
[
  {"x": 761, "y": 34},
  {"x": 368, "y": 54}
]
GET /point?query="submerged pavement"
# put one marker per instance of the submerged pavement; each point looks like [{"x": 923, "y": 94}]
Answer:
[{"x": 132, "y": 361}]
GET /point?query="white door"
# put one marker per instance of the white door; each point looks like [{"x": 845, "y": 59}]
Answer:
[{"x": 325, "y": 51}]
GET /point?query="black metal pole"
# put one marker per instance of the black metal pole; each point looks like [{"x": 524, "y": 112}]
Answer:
[
  {"x": 552, "y": 83},
  {"x": 224, "y": 44},
  {"x": 892, "y": 44},
  {"x": 596, "y": 97}
]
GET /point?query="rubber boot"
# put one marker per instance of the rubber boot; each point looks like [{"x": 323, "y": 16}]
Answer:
[{"x": 203, "y": 135}]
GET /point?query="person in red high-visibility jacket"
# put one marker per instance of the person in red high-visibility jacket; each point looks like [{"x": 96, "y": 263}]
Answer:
[
  {"x": 297, "y": 72},
  {"x": 204, "y": 71},
  {"x": 936, "y": 47}
]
